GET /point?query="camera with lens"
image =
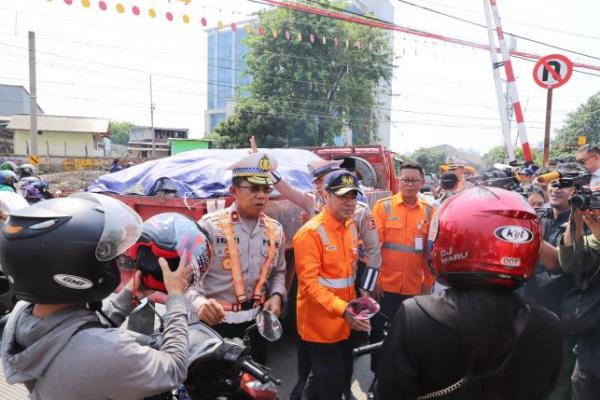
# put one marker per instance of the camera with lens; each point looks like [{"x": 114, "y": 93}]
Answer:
[
  {"x": 576, "y": 181},
  {"x": 585, "y": 199},
  {"x": 504, "y": 179}
]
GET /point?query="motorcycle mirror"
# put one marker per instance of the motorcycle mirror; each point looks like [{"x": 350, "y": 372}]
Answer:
[
  {"x": 268, "y": 325},
  {"x": 139, "y": 307},
  {"x": 363, "y": 308}
]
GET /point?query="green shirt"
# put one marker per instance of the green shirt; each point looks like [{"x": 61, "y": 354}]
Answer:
[
  {"x": 6, "y": 188},
  {"x": 584, "y": 258}
]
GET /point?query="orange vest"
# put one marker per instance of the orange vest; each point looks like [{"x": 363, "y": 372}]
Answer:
[
  {"x": 404, "y": 268},
  {"x": 325, "y": 252}
]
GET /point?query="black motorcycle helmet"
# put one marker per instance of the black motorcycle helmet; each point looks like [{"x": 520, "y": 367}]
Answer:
[
  {"x": 172, "y": 236},
  {"x": 63, "y": 251}
]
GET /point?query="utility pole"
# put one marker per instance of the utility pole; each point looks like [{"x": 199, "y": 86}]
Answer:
[
  {"x": 510, "y": 77},
  {"x": 152, "y": 121},
  {"x": 32, "y": 97},
  {"x": 510, "y": 151}
]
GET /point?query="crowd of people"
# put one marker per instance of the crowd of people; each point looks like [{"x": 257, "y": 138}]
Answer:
[{"x": 481, "y": 289}]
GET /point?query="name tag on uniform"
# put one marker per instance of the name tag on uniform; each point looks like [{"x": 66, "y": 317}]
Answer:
[
  {"x": 419, "y": 243},
  {"x": 393, "y": 218},
  {"x": 330, "y": 248}
]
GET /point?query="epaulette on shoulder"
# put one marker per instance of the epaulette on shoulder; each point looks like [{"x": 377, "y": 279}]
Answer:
[
  {"x": 211, "y": 217},
  {"x": 361, "y": 204},
  {"x": 273, "y": 220}
]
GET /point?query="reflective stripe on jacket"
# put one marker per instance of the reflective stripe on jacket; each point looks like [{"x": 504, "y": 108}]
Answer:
[
  {"x": 325, "y": 252},
  {"x": 404, "y": 268}
]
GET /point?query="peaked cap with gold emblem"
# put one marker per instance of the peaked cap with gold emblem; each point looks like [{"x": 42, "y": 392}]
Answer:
[
  {"x": 256, "y": 168},
  {"x": 341, "y": 182},
  {"x": 321, "y": 167}
]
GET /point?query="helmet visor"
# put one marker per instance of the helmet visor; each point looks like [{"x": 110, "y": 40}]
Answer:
[
  {"x": 122, "y": 226},
  {"x": 10, "y": 201},
  {"x": 187, "y": 240}
]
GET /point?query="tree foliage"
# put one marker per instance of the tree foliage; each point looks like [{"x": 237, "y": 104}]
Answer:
[
  {"x": 585, "y": 121},
  {"x": 303, "y": 93},
  {"x": 498, "y": 154},
  {"x": 120, "y": 132},
  {"x": 429, "y": 159}
]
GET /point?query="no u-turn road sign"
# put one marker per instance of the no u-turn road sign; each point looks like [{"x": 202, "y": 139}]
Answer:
[{"x": 552, "y": 71}]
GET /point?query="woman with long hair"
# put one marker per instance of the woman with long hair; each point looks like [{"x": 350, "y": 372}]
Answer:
[{"x": 478, "y": 339}]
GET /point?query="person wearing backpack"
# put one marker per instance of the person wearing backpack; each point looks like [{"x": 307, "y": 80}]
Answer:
[{"x": 478, "y": 339}]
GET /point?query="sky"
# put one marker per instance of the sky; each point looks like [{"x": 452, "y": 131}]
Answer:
[{"x": 97, "y": 63}]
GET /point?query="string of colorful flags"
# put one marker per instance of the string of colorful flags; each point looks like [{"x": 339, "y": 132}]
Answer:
[{"x": 249, "y": 27}]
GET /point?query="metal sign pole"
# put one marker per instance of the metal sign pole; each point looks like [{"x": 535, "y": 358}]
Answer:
[{"x": 547, "y": 130}]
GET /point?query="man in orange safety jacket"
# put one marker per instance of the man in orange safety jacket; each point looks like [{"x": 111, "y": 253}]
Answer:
[
  {"x": 326, "y": 252},
  {"x": 402, "y": 221}
]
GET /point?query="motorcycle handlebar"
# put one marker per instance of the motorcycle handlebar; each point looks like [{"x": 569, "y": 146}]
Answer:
[
  {"x": 256, "y": 371},
  {"x": 361, "y": 351}
]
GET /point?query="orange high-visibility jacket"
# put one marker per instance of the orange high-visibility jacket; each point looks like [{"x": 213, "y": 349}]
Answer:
[
  {"x": 325, "y": 252},
  {"x": 404, "y": 268}
]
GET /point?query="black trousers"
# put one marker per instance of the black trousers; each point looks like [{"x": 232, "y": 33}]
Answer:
[
  {"x": 302, "y": 350},
  {"x": 390, "y": 302},
  {"x": 304, "y": 366},
  {"x": 258, "y": 348},
  {"x": 331, "y": 373}
]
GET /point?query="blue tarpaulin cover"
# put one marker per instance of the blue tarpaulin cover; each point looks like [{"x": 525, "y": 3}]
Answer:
[{"x": 200, "y": 173}]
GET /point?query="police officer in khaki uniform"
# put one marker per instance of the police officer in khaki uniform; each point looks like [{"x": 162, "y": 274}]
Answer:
[{"x": 247, "y": 268}]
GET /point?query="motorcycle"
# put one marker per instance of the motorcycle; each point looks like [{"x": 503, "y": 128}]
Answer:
[
  {"x": 221, "y": 368},
  {"x": 34, "y": 189}
]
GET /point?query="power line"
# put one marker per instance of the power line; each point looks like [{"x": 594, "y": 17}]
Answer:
[
  {"x": 301, "y": 101},
  {"x": 332, "y": 7},
  {"x": 484, "y": 26},
  {"x": 528, "y": 23},
  {"x": 398, "y": 28}
]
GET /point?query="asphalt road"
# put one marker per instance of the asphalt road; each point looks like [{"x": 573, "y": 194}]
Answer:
[{"x": 282, "y": 359}]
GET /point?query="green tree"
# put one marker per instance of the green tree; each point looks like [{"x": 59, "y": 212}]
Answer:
[
  {"x": 304, "y": 93},
  {"x": 429, "y": 159},
  {"x": 498, "y": 155},
  {"x": 585, "y": 121},
  {"x": 120, "y": 132}
]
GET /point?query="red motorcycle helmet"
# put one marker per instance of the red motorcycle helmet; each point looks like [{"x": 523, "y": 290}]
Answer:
[
  {"x": 172, "y": 236},
  {"x": 485, "y": 236}
]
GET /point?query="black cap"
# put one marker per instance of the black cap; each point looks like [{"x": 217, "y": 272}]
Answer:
[
  {"x": 341, "y": 182},
  {"x": 349, "y": 164},
  {"x": 449, "y": 180}
]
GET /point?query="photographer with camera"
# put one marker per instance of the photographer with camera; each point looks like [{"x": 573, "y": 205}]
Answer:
[
  {"x": 589, "y": 156},
  {"x": 548, "y": 283},
  {"x": 581, "y": 305}
]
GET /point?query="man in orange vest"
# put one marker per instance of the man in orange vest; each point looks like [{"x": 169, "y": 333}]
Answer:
[
  {"x": 247, "y": 267},
  {"x": 326, "y": 252},
  {"x": 369, "y": 251},
  {"x": 402, "y": 222}
]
